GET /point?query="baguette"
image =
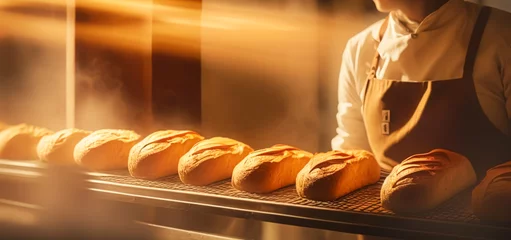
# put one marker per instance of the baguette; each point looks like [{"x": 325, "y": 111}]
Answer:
[
  {"x": 424, "y": 181},
  {"x": 158, "y": 154},
  {"x": 19, "y": 142},
  {"x": 328, "y": 176},
  {"x": 106, "y": 149},
  {"x": 269, "y": 169},
  {"x": 59, "y": 147},
  {"x": 491, "y": 197},
  {"x": 211, "y": 160}
]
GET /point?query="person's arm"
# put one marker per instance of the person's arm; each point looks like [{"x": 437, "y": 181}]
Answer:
[
  {"x": 351, "y": 132},
  {"x": 505, "y": 72}
]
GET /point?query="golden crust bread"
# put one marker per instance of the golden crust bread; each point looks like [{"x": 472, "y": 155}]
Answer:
[
  {"x": 59, "y": 147},
  {"x": 491, "y": 197},
  {"x": 269, "y": 169},
  {"x": 158, "y": 154},
  {"x": 424, "y": 181},
  {"x": 106, "y": 149},
  {"x": 328, "y": 176},
  {"x": 211, "y": 160},
  {"x": 19, "y": 142}
]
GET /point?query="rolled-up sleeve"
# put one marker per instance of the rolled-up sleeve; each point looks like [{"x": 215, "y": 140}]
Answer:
[{"x": 351, "y": 132}]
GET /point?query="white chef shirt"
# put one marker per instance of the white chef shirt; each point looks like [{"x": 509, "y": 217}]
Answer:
[{"x": 437, "y": 53}]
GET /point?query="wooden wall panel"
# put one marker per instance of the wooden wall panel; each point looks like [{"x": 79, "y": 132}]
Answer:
[
  {"x": 32, "y": 63},
  {"x": 176, "y": 65}
]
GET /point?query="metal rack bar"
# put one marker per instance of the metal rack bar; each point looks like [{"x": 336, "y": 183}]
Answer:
[{"x": 283, "y": 207}]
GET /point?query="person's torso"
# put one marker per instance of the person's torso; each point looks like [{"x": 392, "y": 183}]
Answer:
[
  {"x": 409, "y": 116},
  {"x": 438, "y": 53}
]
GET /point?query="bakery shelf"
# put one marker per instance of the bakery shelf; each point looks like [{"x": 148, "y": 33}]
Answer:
[{"x": 359, "y": 212}]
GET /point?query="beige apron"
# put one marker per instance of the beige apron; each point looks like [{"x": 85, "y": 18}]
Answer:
[{"x": 406, "y": 118}]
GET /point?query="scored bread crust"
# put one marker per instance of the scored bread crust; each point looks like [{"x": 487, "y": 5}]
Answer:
[
  {"x": 211, "y": 160},
  {"x": 158, "y": 154},
  {"x": 269, "y": 169},
  {"x": 328, "y": 176},
  {"x": 424, "y": 181},
  {"x": 105, "y": 149},
  {"x": 491, "y": 197},
  {"x": 19, "y": 142},
  {"x": 59, "y": 147}
]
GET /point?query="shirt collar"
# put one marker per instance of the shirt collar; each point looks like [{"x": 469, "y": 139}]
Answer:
[{"x": 435, "y": 20}]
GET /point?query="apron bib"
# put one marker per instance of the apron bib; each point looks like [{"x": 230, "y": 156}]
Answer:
[{"x": 407, "y": 118}]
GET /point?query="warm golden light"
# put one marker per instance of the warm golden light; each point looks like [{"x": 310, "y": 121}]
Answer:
[
  {"x": 177, "y": 22},
  {"x": 274, "y": 49},
  {"x": 70, "y": 64}
]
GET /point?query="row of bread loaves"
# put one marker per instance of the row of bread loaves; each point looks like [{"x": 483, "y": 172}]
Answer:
[
  {"x": 100, "y": 150},
  {"x": 419, "y": 183},
  {"x": 412, "y": 186},
  {"x": 198, "y": 161}
]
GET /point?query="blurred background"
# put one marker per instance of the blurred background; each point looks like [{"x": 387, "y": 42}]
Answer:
[{"x": 262, "y": 72}]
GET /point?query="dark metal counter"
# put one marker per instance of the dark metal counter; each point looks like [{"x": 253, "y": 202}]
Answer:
[{"x": 359, "y": 212}]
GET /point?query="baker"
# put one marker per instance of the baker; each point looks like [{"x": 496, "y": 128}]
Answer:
[{"x": 433, "y": 74}]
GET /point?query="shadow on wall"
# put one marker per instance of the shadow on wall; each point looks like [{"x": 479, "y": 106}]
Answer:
[
  {"x": 32, "y": 73},
  {"x": 10, "y": 70},
  {"x": 32, "y": 80}
]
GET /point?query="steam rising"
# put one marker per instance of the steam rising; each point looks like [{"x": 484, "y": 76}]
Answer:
[
  {"x": 260, "y": 64},
  {"x": 101, "y": 106}
]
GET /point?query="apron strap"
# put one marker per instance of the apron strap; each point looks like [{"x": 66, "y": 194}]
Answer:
[
  {"x": 376, "y": 59},
  {"x": 475, "y": 40}
]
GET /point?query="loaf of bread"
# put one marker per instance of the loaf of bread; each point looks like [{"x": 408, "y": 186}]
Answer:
[
  {"x": 211, "y": 160},
  {"x": 491, "y": 197},
  {"x": 424, "y": 181},
  {"x": 328, "y": 176},
  {"x": 106, "y": 149},
  {"x": 158, "y": 154},
  {"x": 59, "y": 147},
  {"x": 269, "y": 169},
  {"x": 19, "y": 142}
]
